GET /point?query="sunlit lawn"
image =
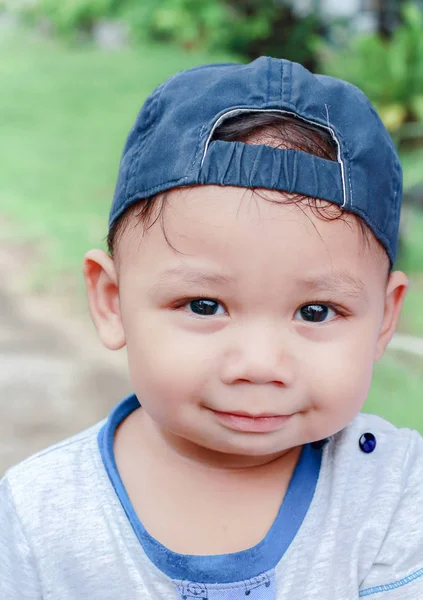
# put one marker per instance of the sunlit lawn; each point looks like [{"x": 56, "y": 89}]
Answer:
[
  {"x": 64, "y": 115},
  {"x": 397, "y": 390}
]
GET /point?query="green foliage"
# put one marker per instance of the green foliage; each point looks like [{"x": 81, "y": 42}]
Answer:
[
  {"x": 68, "y": 17},
  {"x": 15, "y": 6},
  {"x": 244, "y": 27},
  {"x": 188, "y": 22},
  {"x": 389, "y": 71},
  {"x": 273, "y": 28}
]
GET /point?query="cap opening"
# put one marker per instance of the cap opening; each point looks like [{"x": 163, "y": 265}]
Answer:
[{"x": 239, "y": 111}]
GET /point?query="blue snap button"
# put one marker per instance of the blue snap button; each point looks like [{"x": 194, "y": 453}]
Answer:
[{"x": 367, "y": 443}]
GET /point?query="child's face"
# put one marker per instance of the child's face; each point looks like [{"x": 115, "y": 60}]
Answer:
[{"x": 252, "y": 347}]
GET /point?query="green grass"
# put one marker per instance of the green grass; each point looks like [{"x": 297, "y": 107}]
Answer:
[
  {"x": 64, "y": 116},
  {"x": 397, "y": 390},
  {"x": 411, "y": 255},
  {"x": 411, "y": 261},
  {"x": 411, "y": 321},
  {"x": 412, "y": 166}
]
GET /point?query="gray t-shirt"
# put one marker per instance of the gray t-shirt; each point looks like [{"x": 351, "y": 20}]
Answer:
[{"x": 350, "y": 526}]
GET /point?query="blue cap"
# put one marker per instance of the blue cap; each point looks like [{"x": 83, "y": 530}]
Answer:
[{"x": 170, "y": 144}]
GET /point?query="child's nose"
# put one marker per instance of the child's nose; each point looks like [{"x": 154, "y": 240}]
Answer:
[{"x": 262, "y": 357}]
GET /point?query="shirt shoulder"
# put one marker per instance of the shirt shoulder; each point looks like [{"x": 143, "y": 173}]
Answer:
[
  {"x": 387, "y": 486},
  {"x": 41, "y": 466},
  {"x": 380, "y": 477},
  {"x": 41, "y": 499},
  {"x": 366, "y": 422},
  {"x": 47, "y": 482},
  {"x": 391, "y": 452},
  {"x": 64, "y": 533}
]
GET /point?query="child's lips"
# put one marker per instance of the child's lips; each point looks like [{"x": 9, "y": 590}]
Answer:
[{"x": 263, "y": 423}]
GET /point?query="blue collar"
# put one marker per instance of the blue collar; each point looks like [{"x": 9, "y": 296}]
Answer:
[{"x": 223, "y": 568}]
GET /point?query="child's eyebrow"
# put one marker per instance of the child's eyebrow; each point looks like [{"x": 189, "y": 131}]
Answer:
[
  {"x": 191, "y": 276},
  {"x": 336, "y": 281}
]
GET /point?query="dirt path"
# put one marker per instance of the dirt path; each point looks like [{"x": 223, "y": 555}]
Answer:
[{"x": 55, "y": 377}]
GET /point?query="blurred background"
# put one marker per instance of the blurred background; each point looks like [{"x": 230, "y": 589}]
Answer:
[{"x": 73, "y": 75}]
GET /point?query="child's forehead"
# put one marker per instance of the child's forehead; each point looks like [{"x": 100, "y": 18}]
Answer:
[
  {"x": 240, "y": 229},
  {"x": 210, "y": 212}
]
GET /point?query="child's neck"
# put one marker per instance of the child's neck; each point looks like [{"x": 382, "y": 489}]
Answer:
[{"x": 232, "y": 502}]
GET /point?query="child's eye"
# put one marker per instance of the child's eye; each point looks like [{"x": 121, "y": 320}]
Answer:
[
  {"x": 205, "y": 307},
  {"x": 315, "y": 313}
]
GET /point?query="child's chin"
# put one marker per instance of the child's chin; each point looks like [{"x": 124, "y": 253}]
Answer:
[{"x": 255, "y": 448}]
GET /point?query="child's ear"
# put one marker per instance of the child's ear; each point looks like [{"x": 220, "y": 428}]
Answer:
[
  {"x": 103, "y": 298},
  {"x": 395, "y": 293}
]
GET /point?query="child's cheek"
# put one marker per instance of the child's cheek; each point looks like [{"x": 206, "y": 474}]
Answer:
[
  {"x": 167, "y": 363},
  {"x": 340, "y": 381}
]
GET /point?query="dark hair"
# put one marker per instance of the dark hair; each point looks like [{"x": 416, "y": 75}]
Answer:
[{"x": 270, "y": 128}]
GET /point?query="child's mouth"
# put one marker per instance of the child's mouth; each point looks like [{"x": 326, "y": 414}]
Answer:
[{"x": 251, "y": 423}]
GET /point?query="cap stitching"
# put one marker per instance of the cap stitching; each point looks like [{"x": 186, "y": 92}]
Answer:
[
  {"x": 281, "y": 72},
  {"x": 339, "y": 158},
  {"x": 197, "y": 150},
  {"x": 395, "y": 209},
  {"x": 398, "y": 173},
  {"x": 396, "y": 206},
  {"x": 349, "y": 179}
]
